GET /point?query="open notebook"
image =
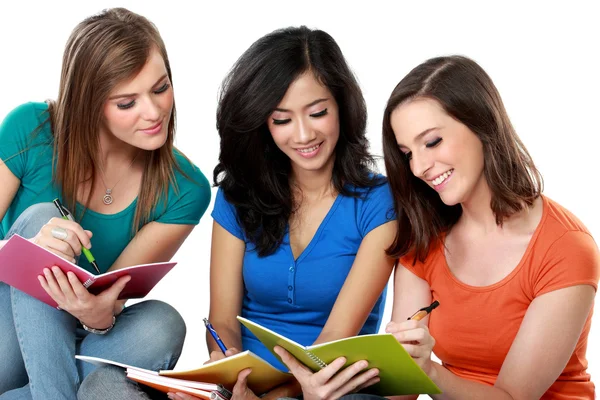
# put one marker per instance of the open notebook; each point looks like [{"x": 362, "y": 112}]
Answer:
[
  {"x": 21, "y": 261},
  {"x": 398, "y": 372},
  {"x": 208, "y": 378}
]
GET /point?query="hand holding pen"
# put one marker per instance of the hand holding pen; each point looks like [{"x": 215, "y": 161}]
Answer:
[
  {"x": 63, "y": 237},
  {"x": 414, "y": 336},
  {"x": 225, "y": 352},
  {"x": 62, "y": 234}
]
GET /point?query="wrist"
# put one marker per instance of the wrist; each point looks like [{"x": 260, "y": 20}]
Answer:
[
  {"x": 433, "y": 370},
  {"x": 99, "y": 322},
  {"x": 100, "y": 331}
]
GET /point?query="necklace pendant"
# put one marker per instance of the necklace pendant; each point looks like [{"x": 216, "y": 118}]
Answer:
[{"x": 108, "y": 199}]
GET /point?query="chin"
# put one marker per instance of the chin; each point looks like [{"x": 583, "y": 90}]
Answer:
[{"x": 450, "y": 200}]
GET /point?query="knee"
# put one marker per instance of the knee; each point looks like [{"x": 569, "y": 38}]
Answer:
[
  {"x": 98, "y": 384},
  {"x": 167, "y": 325},
  {"x": 29, "y": 223}
]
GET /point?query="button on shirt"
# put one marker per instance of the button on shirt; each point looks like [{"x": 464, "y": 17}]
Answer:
[{"x": 294, "y": 297}]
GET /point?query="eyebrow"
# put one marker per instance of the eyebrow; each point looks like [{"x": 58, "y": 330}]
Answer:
[
  {"x": 306, "y": 106},
  {"x": 420, "y": 135},
  {"x": 120, "y": 96}
]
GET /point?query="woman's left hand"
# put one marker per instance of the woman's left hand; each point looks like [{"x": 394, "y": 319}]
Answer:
[
  {"x": 414, "y": 336},
  {"x": 240, "y": 390},
  {"x": 95, "y": 311}
]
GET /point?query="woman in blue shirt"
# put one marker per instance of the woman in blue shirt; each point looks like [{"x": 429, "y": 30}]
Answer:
[
  {"x": 301, "y": 223},
  {"x": 106, "y": 148}
]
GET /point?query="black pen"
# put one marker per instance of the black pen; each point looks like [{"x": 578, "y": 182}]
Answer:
[{"x": 67, "y": 215}]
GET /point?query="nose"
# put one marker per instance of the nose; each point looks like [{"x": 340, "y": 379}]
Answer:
[
  {"x": 304, "y": 133},
  {"x": 420, "y": 163},
  {"x": 150, "y": 110}
]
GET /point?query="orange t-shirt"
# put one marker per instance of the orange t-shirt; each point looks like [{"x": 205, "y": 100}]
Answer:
[{"x": 561, "y": 253}]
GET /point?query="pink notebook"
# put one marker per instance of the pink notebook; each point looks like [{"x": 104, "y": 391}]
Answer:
[{"x": 21, "y": 261}]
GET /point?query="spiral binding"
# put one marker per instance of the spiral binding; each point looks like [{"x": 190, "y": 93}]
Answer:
[
  {"x": 88, "y": 283},
  {"x": 316, "y": 359}
]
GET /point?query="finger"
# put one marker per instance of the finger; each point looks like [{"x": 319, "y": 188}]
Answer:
[
  {"x": 82, "y": 236},
  {"x": 393, "y": 327},
  {"x": 64, "y": 284},
  {"x": 231, "y": 351},
  {"x": 46, "y": 287},
  {"x": 80, "y": 291},
  {"x": 419, "y": 335},
  {"x": 89, "y": 233},
  {"x": 57, "y": 246},
  {"x": 352, "y": 385},
  {"x": 240, "y": 387},
  {"x": 116, "y": 288},
  {"x": 70, "y": 240},
  {"x": 324, "y": 376},
  {"x": 417, "y": 351},
  {"x": 368, "y": 383},
  {"x": 295, "y": 367},
  {"x": 55, "y": 290},
  {"x": 347, "y": 374}
]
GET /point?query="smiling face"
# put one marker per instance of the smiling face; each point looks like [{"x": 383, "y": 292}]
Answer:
[
  {"x": 440, "y": 150},
  {"x": 305, "y": 124},
  {"x": 138, "y": 110}
]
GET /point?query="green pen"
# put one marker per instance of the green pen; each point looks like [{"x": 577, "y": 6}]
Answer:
[{"x": 67, "y": 215}]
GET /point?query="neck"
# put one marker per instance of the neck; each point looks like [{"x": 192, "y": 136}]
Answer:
[
  {"x": 477, "y": 211},
  {"x": 114, "y": 152},
  {"x": 314, "y": 184}
]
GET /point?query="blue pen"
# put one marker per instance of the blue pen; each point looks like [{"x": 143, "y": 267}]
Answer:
[{"x": 215, "y": 336}]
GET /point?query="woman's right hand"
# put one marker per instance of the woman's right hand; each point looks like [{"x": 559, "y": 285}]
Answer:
[
  {"x": 217, "y": 355},
  {"x": 63, "y": 238},
  {"x": 330, "y": 382}
]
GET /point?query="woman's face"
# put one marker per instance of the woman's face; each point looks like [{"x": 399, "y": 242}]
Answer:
[
  {"x": 305, "y": 124},
  {"x": 441, "y": 151},
  {"x": 138, "y": 110}
]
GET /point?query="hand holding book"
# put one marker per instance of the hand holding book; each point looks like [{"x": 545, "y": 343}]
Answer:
[{"x": 328, "y": 383}]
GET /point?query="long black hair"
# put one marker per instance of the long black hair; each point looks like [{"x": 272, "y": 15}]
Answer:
[{"x": 252, "y": 172}]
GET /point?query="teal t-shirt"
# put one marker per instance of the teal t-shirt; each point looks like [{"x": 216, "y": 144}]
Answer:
[{"x": 30, "y": 159}]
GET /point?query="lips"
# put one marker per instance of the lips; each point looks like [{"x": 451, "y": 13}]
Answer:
[{"x": 153, "y": 129}]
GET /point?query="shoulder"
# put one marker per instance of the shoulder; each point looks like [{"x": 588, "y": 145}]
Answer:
[
  {"x": 28, "y": 116},
  {"x": 559, "y": 227},
  {"x": 188, "y": 176}
]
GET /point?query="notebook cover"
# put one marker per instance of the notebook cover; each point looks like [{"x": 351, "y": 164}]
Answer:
[
  {"x": 22, "y": 261},
  {"x": 263, "y": 378},
  {"x": 398, "y": 372}
]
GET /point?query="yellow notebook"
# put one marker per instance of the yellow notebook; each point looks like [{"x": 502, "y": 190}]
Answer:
[
  {"x": 398, "y": 372},
  {"x": 263, "y": 378}
]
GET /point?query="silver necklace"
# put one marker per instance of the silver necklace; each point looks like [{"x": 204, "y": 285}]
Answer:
[{"x": 107, "y": 198}]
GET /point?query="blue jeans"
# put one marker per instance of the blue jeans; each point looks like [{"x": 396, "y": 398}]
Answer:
[{"x": 38, "y": 343}]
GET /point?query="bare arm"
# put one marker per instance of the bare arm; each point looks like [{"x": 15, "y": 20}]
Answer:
[
  {"x": 226, "y": 287},
  {"x": 10, "y": 185},
  {"x": 363, "y": 286},
  {"x": 553, "y": 321}
]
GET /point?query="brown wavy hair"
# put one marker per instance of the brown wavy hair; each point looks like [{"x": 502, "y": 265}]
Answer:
[
  {"x": 103, "y": 51},
  {"x": 466, "y": 93}
]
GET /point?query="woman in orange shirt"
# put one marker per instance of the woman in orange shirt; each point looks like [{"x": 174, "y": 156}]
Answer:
[{"x": 514, "y": 272}]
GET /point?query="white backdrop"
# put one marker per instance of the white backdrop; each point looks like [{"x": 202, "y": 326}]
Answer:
[{"x": 540, "y": 56}]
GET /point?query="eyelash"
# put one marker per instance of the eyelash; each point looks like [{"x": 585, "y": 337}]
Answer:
[
  {"x": 429, "y": 145},
  {"x": 285, "y": 121},
  {"x": 160, "y": 90}
]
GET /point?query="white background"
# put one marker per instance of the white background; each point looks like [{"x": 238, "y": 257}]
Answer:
[{"x": 541, "y": 56}]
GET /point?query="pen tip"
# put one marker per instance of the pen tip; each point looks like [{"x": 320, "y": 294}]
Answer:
[{"x": 205, "y": 321}]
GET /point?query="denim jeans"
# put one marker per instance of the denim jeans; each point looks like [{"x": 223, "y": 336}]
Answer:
[{"x": 38, "y": 343}]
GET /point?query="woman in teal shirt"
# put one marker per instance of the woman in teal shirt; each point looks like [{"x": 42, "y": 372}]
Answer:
[{"x": 105, "y": 147}]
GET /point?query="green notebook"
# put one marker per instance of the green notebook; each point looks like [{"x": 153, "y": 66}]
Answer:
[{"x": 398, "y": 372}]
